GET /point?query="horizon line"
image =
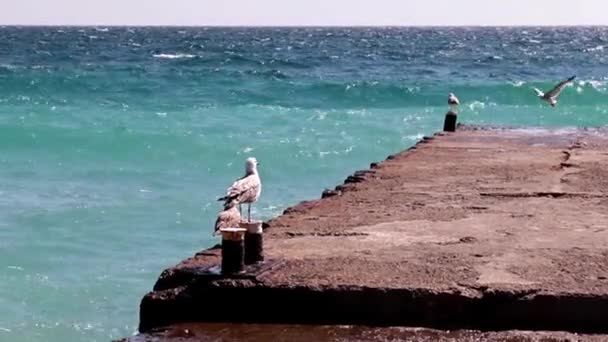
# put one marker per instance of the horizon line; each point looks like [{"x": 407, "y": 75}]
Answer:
[{"x": 310, "y": 26}]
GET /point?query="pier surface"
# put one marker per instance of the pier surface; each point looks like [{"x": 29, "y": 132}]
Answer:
[{"x": 487, "y": 229}]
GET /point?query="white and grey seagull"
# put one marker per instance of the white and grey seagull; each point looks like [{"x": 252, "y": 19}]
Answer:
[
  {"x": 552, "y": 95},
  {"x": 227, "y": 218},
  {"x": 246, "y": 189},
  {"x": 453, "y": 101}
]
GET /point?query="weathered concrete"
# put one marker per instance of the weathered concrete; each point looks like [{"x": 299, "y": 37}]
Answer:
[
  {"x": 219, "y": 332},
  {"x": 479, "y": 229}
]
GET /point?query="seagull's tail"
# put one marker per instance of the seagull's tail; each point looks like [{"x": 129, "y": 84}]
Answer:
[
  {"x": 229, "y": 201},
  {"x": 538, "y": 92}
]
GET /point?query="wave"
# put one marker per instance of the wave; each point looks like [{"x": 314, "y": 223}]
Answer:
[
  {"x": 517, "y": 84},
  {"x": 393, "y": 94},
  {"x": 173, "y": 56},
  {"x": 595, "y": 49},
  {"x": 272, "y": 86},
  {"x": 599, "y": 86},
  {"x": 9, "y": 67},
  {"x": 476, "y": 105},
  {"x": 271, "y": 74}
]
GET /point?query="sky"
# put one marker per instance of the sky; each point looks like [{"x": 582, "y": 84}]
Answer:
[{"x": 304, "y": 12}]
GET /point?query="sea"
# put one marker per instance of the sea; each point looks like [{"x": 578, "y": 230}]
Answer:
[{"x": 115, "y": 142}]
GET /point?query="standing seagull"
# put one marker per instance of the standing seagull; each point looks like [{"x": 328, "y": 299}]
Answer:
[
  {"x": 229, "y": 218},
  {"x": 453, "y": 101},
  {"x": 246, "y": 189},
  {"x": 551, "y": 95}
]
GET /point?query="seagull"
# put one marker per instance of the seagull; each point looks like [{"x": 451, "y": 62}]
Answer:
[
  {"x": 246, "y": 189},
  {"x": 453, "y": 101},
  {"x": 228, "y": 218},
  {"x": 551, "y": 95}
]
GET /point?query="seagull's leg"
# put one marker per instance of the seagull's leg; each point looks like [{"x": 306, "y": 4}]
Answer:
[
  {"x": 240, "y": 210},
  {"x": 249, "y": 211}
]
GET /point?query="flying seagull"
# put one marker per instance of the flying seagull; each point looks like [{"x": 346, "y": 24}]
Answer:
[
  {"x": 453, "y": 101},
  {"x": 551, "y": 95},
  {"x": 228, "y": 218},
  {"x": 246, "y": 189}
]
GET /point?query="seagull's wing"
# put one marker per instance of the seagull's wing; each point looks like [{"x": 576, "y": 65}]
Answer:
[
  {"x": 219, "y": 223},
  {"x": 230, "y": 192},
  {"x": 244, "y": 188},
  {"x": 539, "y": 93},
  {"x": 559, "y": 88}
]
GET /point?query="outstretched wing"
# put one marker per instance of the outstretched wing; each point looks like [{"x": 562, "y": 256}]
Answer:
[
  {"x": 559, "y": 88},
  {"x": 539, "y": 93}
]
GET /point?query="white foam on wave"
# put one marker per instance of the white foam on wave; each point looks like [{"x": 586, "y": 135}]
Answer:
[
  {"x": 319, "y": 115},
  {"x": 8, "y": 66},
  {"x": 173, "y": 56},
  {"x": 358, "y": 112},
  {"x": 595, "y": 84},
  {"x": 477, "y": 105},
  {"x": 347, "y": 150},
  {"x": 414, "y": 137},
  {"x": 595, "y": 49}
]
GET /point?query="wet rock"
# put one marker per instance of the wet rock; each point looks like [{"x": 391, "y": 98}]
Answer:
[
  {"x": 353, "y": 179},
  {"x": 330, "y": 193}
]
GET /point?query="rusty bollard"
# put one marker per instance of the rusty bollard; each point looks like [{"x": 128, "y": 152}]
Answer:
[
  {"x": 449, "y": 124},
  {"x": 254, "y": 242},
  {"x": 233, "y": 247}
]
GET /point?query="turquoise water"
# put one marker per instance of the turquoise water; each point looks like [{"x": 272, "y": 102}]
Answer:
[{"x": 116, "y": 142}]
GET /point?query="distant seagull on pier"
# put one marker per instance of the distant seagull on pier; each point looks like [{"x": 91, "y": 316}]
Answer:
[
  {"x": 228, "y": 218},
  {"x": 246, "y": 189},
  {"x": 453, "y": 101},
  {"x": 551, "y": 95}
]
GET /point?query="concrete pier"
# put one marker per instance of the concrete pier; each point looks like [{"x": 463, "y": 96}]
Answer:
[{"x": 489, "y": 229}]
